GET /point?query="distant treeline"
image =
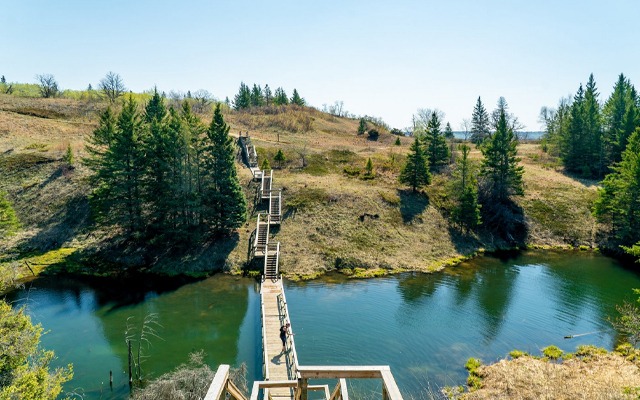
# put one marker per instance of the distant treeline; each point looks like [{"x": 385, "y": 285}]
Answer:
[{"x": 259, "y": 97}]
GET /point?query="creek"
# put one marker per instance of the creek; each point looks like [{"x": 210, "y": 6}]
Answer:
[{"x": 425, "y": 326}]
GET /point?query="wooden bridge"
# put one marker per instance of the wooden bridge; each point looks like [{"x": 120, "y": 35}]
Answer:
[{"x": 284, "y": 377}]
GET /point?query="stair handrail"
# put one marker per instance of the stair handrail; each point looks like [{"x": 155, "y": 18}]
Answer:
[{"x": 282, "y": 298}]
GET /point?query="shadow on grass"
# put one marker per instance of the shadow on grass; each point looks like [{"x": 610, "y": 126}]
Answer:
[
  {"x": 61, "y": 227},
  {"x": 412, "y": 204}
]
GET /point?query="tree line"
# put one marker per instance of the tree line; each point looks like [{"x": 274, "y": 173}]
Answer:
[
  {"x": 590, "y": 137},
  {"x": 489, "y": 188},
  {"x": 161, "y": 174},
  {"x": 259, "y": 97},
  {"x": 602, "y": 140}
]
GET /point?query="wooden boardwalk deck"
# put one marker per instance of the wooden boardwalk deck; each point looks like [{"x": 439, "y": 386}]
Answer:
[{"x": 279, "y": 366}]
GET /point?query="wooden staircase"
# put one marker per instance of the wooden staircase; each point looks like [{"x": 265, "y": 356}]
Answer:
[
  {"x": 250, "y": 156},
  {"x": 262, "y": 235},
  {"x": 275, "y": 207},
  {"x": 265, "y": 185},
  {"x": 271, "y": 260}
]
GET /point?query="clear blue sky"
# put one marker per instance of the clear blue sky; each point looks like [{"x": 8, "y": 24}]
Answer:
[{"x": 381, "y": 58}]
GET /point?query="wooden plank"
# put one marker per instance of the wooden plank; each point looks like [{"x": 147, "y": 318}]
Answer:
[
  {"x": 218, "y": 384},
  {"x": 337, "y": 372},
  {"x": 390, "y": 385},
  {"x": 343, "y": 389}
]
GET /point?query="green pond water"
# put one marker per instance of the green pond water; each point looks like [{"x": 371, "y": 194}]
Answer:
[{"x": 425, "y": 326}]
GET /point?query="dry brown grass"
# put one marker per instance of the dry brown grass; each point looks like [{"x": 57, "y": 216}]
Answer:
[
  {"x": 603, "y": 376},
  {"x": 410, "y": 231}
]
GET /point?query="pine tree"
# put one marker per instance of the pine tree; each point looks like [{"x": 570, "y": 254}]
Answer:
[
  {"x": 157, "y": 148},
  {"x": 480, "y": 125},
  {"x": 194, "y": 133},
  {"x": 8, "y": 220},
  {"x": 280, "y": 98},
  {"x": 362, "y": 126},
  {"x": 368, "y": 168},
  {"x": 242, "y": 100},
  {"x": 620, "y": 114},
  {"x": 416, "y": 171},
  {"x": 268, "y": 96},
  {"x": 618, "y": 200},
  {"x": 296, "y": 99},
  {"x": 279, "y": 158},
  {"x": 500, "y": 169},
  {"x": 448, "y": 132},
  {"x": 573, "y": 141},
  {"x": 257, "y": 98},
  {"x": 117, "y": 156},
  {"x": 436, "y": 146},
  {"x": 223, "y": 198},
  {"x": 398, "y": 143},
  {"x": 593, "y": 132},
  {"x": 265, "y": 166},
  {"x": 68, "y": 156},
  {"x": 466, "y": 212}
]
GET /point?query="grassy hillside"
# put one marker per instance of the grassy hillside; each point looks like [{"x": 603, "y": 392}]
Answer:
[{"x": 333, "y": 218}]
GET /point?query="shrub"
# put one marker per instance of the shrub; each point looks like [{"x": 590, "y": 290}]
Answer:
[
  {"x": 373, "y": 134},
  {"x": 517, "y": 354},
  {"x": 552, "y": 352}
]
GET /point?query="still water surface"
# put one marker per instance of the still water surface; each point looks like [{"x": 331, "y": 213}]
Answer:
[{"x": 424, "y": 326}]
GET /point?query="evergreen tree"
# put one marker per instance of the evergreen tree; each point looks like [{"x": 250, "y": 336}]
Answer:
[
  {"x": 368, "y": 168},
  {"x": 280, "y": 98},
  {"x": 157, "y": 148},
  {"x": 194, "y": 131},
  {"x": 279, "y": 158},
  {"x": 574, "y": 141},
  {"x": 68, "y": 156},
  {"x": 296, "y": 99},
  {"x": 268, "y": 96},
  {"x": 618, "y": 200},
  {"x": 362, "y": 126},
  {"x": 448, "y": 132},
  {"x": 257, "y": 98},
  {"x": 242, "y": 100},
  {"x": 416, "y": 171},
  {"x": 480, "y": 125},
  {"x": 436, "y": 146},
  {"x": 620, "y": 114},
  {"x": 3, "y": 80},
  {"x": 225, "y": 205},
  {"x": 500, "y": 169},
  {"x": 398, "y": 143},
  {"x": 265, "y": 166},
  {"x": 593, "y": 132},
  {"x": 466, "y": 212},
  {"x": 8, "y": 219},
  {"x": 119, "y": 169}
]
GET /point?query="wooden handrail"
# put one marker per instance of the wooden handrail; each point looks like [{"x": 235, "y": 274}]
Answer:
[
  {"x": 265, "y": 356},
  {"x": 257, "y": 385},
  {"x": 218, "y": 384},
  {"x": 288, "y": 320}
]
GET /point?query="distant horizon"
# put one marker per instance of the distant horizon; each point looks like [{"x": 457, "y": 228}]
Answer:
[{"x": 381, "y": 60}]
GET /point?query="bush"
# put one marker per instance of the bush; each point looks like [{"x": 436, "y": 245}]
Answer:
[
  {"x": 517, "y": 354},
  {"x": 552, "y": 352},
  {"x": 373, "y": 134}
]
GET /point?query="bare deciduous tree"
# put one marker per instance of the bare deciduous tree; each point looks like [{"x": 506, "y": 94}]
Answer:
[
  {"x": 112, "y": 86},
  {"x": 48, "y": 85}
]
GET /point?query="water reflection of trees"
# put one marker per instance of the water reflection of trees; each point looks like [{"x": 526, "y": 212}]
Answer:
[
  {"x": 202, "y": 316},
  {"x": 492, "y": 281},
  {"x": 495, "y": 291},
  {"x": 414, "y": 286}
]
